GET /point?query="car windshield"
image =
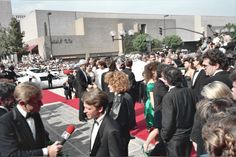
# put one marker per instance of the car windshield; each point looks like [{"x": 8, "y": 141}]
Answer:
[
  {"x": 44, "y": 78},
  {"x": 38, "y": 70}
]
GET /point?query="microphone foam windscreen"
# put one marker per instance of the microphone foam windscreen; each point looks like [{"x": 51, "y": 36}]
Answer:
[{"x": 70, "y": 128}]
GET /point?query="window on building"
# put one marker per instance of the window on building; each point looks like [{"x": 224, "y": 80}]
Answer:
[
  {"x": 142, "y": 28},
  {"x": 45, "y": 29}
]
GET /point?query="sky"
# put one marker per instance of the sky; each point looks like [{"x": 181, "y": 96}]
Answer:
[{"x": 168, "y": 7}]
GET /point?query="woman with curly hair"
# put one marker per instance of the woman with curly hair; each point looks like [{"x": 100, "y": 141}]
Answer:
[
  {"x": 220, "y": 136},
  {"x": 150, "y": 76},
  {"x": 121, "y": 107}
]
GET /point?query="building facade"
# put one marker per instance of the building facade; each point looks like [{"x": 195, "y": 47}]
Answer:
[
  {"x": 66, "y": 34},
  {"x": 5, "y": 13}
]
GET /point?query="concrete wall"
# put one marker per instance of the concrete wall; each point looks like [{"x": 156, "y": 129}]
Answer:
[
  {"x": 5, "y": 12},
  {"x": 29, "y": 26},
  {"x": 79, "y": 34},
  {"x": 61, "y": 22}
]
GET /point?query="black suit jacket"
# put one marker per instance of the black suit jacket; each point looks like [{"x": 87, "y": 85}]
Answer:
[
  {"x": 198, "y": 84},
  {"x": 160, "y": 89},
  {"x": 222, "y": 76},
  {"x": 16, "y": 138},
  {"x": 108, "y": 141},
  {"x": 131, "y": 77},
  {"x": 177, "y": 114},
  {"x": 2, "y": 112},
  {"x": 80, "y": 83}
]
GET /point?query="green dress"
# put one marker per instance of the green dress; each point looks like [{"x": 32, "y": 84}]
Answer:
[{"x": 148, "y": 109}]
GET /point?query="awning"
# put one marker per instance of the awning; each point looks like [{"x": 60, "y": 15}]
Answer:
[{"x": 30, "y": 48}]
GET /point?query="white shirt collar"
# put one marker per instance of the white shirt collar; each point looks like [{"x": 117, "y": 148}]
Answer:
[
  {"x": 171, "y": 87},
  {"x": 3, "y": 107},
  {"x": 22, "y": 112},
  {"x": 100, "y": 119},
  {"x": 217, "y": 71}
]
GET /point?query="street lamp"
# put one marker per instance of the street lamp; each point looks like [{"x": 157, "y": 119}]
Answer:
[
  {"x": 165, "y": 24},
  {"x": 122, "y": 34},
  {"x": 49, "y": 32}
]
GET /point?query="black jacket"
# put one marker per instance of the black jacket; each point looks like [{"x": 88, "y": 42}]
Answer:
[{"x": 16, "y": 138}]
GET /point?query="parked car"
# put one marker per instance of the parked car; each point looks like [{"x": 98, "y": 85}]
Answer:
[{"x": 41, "y": 79}]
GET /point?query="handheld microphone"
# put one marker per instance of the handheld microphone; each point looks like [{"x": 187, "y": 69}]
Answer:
[{"x": 66, "y": 134}]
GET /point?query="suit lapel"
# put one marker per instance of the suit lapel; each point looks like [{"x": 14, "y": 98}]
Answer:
[
  {"x": 97, "y": 141},
  {"x": 40, "y": 131},
  {"x": 23, "y": 128}
]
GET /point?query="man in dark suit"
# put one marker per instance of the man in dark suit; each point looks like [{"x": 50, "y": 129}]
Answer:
[
  {"x": 106, "y": 137},
  {"x": 132, "y": 92},
  {"x": 199, "y": 76},
  {"x": 6, "y": 97},
  {"x": 50, "y": 77},
  {"x": 80, "y": 84},
  {"x": 216, "y": 64},
  {"x": 177, "y": 115},
  {"x": 22, "y": 133}
]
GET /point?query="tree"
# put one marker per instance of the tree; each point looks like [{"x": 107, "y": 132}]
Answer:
[
  {"x": 156, "y": 43},
  {"x": 173, "y": 41},
  {"x": 11, "y": 39},
  {"x": 4, "y": 42},
  {"x": 128, "y": 43},
  {"x": 16, "y": 38},
  {"x": 231, "y": 28},
  {"x": 139, "y": 43}
]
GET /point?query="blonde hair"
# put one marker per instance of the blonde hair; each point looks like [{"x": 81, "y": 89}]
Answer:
[
  {"x": 215, "y": 90},
  {"x": 26, "y": 91},
  {"x": 220, "y": 136}
]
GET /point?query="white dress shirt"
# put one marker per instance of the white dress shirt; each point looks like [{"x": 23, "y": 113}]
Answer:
[{"x": 96, "y": 126}]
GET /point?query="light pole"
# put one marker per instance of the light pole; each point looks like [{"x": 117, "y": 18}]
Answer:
[
  {"x": 164, "y": 22},
  {"x": 49, "y": 32},
  {"x": 122, "y": 35}
]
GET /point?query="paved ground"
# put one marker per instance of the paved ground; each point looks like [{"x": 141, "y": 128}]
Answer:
[{"x": 56, "y": 116}]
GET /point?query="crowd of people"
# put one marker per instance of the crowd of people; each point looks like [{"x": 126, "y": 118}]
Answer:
[{"x": 189, "y": 101}]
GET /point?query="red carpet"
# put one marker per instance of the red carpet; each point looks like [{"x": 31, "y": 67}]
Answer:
[{"x": 50, "y": 97}]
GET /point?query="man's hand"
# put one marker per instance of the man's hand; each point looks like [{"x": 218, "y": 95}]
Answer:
[{"x": 54, "y": 149}]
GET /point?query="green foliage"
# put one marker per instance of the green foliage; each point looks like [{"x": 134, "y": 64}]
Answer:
[
  {"x": 128, "y": 43},
  {"x": 4, "y": 42},
  {"x": 156, "y": 43},
  {"x": 232, "y": 30},
  {"x": 139, "y": 43},
  {"x": 173, "y": 41},
  {"x": 11, "y": 39}
]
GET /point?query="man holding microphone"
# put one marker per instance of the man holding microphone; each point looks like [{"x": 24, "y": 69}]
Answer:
[{"x": 22, "y": 132}]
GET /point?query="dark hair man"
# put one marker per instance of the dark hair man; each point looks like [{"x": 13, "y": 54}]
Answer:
[
  {"x": 106, "y": 139},
  {"x": 7, "y": 99},
  {"x": 215, "y": 64},
  {"x": 177, "y": 114},
  {"x": 22, "y": 132}
]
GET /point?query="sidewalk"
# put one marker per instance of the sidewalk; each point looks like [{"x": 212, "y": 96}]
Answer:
[{"x": 56, "y": 116}]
